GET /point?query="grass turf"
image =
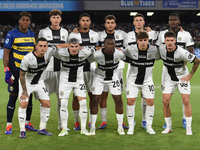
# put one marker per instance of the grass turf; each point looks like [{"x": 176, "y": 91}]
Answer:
[{"x": 108, "y": 138}]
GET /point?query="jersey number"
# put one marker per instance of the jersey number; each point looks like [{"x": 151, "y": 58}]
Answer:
[
  {"x": 45, "y": 89},
  {"x": 151, "y": 88},
  {"x": 116, "y": 84},
  {"x": 82, "y": 86}
]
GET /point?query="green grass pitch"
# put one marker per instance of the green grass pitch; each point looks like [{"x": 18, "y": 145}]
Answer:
[{"x": 108, "y": 138}]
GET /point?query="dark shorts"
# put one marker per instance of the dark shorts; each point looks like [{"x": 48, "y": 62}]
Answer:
[{"x": 14, "y": 88}]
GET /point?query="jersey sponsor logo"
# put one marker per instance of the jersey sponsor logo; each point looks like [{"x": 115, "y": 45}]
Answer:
[
  {"x": 7, "y": 41},
  {"x": 85, "y": 39},
  {"x": 56, "y": 37},
  {"x": 169, "y": 58},
  {"x": 142, "y": 56},
  {"x": 109, "y": 62}
]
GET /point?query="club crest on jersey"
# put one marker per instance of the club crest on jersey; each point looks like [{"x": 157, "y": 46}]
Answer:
[
  {"x": 116, "y": 60},
  {"x": 162, "y": 88},
  {"x": 149, "y": 56},
  {"x": 127, "y": 92},
  {"x": 92, "y": 39},
  {"x": 61, "y": 93},
  {"x": 117, "y": 36},
  {"x": 81, "y": 58},
  {"x": 179, "y": 38},
  {"x": 176, "y": 59},
  {"x": 63, "y": 37},
  {"x": 11, "y": 88},
  {"x": 93, "y": 88}
]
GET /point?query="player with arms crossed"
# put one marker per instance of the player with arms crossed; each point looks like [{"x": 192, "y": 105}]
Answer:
[
  {"x": 141, "y": 58},
  {"x": 71, "y": 78},
  {"x": 183, "y": 39},
  {"x": 176, "y": 75},
  {"x": 106, "y": 74},
  {"x": 86, "y": 37},
  {"x": 18, "y": 42},
  {"x": 55, "y": 35},
  {"x": 118, "y": 35},
  {"x": 32, "y": 66}
]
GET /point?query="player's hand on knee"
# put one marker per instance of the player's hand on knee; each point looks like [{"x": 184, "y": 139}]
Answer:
[
  {"x": 24, "y": 97},
  {"x": 9, "y": 78}
]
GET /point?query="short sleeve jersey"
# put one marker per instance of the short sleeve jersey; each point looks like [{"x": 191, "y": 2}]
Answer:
[
  {"x": 107, "y": 64},
  {"x": 72, "y": 66},
  {"x": 174, "y": 62},
  {"x": 141, "y": 63},
  {"x": 34, "y": 66},
  {"x": 54, "y": 38},
  {"x": 20, "y": 44}
]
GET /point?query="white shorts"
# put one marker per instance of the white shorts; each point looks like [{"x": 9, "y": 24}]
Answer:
[
  {"x": 88, "y": 79},
  {"x": 120, "y": 75},
  {"x": 77, "y": 87},
  {"x": 170, "y": 86},
  {"x": 39, "y": 90},
  {"x": 132, "y": 90},
  {"x": 51, "y": 80},
  {"x": 113, "y": 86}
]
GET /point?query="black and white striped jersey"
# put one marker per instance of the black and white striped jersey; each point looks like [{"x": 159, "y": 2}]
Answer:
[
  {"x": 131, "y": 38},
  {"x": 72, "y": 66},
  {"x": 107, "y": 64},
  {"x": 119, "y": 37},
  {"x": 183, "y": 39},
  {"x": 34, "y": 66},
  {"x": 90, "y": 39},
  {"x": 141, "y": 63},
  {"x": 54, "y": 37},
  {"x": 174, "y": 62}
]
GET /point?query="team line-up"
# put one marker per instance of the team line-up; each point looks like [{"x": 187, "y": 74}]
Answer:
[{"x": 59, "y": 63}]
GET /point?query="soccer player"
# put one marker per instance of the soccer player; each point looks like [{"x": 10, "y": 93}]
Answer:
[
  {"x": 176, "y": 74},
  {"x": 183, "y": 39},
  {"x": 141, "y": 58},
  {"x": 131, "y": 39},
  {"x": 106, "y": 74},
  {"x": 55, "y": 35},
  {"x": 118, "y": 35},
  {"x": 71, "y": 78},
  {"x": 86, "y": 37},
  {"x": 17, "y": 44},
  {"x": 32, "y": 66}
]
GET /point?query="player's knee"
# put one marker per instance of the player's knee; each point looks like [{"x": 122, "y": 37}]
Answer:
[
  {"x": 166, "y": 102},
  {"x": 23, "y": 104},
  {"x": 186, "y": 102},
  {"x": 46, "y": 105},
  {"x": 149, "y": 102},
  {"x": 130, "y": 102}
]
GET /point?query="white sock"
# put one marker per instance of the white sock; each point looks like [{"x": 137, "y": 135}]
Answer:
[
  {"x": 149, "y": 115},
  {"x": 27, "y": 121},
  {"x": 22, "y": 118},
  {"x": 83, "y": 113},
  {"x": 44, "y": 117},
  {"x": 183, "y": 111},
  {"x": 8, "y": 123},
  {"x": 130, "y": 109},
  {"x": 120, "y": 118},
  {"x": 93, "y": 120},
  {"x": 168, "y": 122},
  {"x": 103, "y": 112},
  {"x": 189, "y": 121},
  {"x": 76, "y": 115},
  {"x": 58, "y": 110},
  {"x": 143, "y": 106},
  {"x": 64, "y": 113}
]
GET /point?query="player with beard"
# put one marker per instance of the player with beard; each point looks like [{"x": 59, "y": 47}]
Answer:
[
  {"x": 183, "y": 39},
  {"x": 86, "y": 37}
]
